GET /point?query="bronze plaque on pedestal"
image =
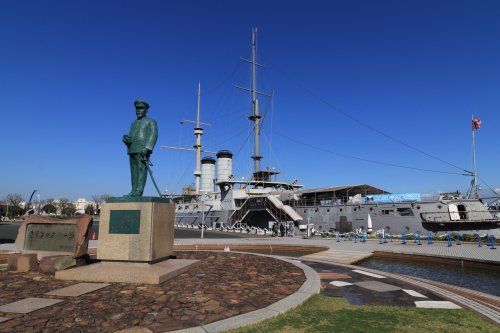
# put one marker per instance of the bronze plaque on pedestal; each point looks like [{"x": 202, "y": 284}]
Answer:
[{"x": 124, "y": 221}]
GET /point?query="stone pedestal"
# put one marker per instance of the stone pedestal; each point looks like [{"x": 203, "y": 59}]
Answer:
[
  {"x": 136, "y": 239},
  {"x": 136, "y": 229},
  {"x": 49, "y": 236},
  {"x": 128, "y": 272}
]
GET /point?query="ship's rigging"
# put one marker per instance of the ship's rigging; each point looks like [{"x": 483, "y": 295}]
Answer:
[{"x": 257, "y": 118}]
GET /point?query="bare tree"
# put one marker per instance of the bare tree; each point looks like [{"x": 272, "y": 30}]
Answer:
[
  {"x": 14, "y": 199},
  {"x": 99, "y": 199},
  {"x": 89, "y": 209},
  {"x": 48, "y": 206},
  {"x": 69, "y": 209},
  {"x": 49, "y": 201},
  {"x": 61, "y": 204},
  {"x": 14, "y": 204}
]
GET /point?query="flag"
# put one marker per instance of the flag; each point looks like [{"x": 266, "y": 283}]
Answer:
[{"x": 476, "y": 124}]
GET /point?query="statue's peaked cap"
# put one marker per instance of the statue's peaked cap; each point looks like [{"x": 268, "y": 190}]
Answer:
[{"x": 140, "y": 102}]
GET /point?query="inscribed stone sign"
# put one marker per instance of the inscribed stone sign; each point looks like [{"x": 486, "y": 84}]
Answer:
[
  {"x": 50, "y": 237},
  {"x": 124, "y": 221}
]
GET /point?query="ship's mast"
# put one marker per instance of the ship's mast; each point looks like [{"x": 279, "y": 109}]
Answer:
[
  {"x": 198, "y": 132},
  {"x": 197, "y": 147},
  {"x": 255, "y": 117}
]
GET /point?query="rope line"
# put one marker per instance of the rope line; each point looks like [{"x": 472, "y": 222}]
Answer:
[
  {"x": 337, "y": 109},
  {"x": 365, "y": 159},
  {"x": 237, "y": 67}
]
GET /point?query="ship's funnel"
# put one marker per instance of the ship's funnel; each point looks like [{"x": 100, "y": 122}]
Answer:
[
  {"x": 207, "y": 174},
  {"x": 224, "y": 165}
]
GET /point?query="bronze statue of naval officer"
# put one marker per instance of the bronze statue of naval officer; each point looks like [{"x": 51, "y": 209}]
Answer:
[{"x": 140, "y": 142}]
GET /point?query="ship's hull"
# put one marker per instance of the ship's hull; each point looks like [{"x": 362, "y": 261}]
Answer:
[
  {"x": 398, "y": 218},
  {"x": 395, "y": 218}
]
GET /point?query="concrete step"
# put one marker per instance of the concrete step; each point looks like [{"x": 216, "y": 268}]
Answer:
[{"x": 340, "y": 256}]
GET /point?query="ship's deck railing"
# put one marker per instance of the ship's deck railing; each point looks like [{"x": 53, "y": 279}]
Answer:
[
  {"x": 239, "y": 229},
  {"x": 336, "y": 201}
]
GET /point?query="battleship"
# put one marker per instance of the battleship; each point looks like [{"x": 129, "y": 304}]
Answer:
[{"x": 219, "y": 201}]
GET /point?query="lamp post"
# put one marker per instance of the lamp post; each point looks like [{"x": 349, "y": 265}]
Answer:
[
  {"x": 202, "y": 216},
  {"x": 308, "y": 227}
]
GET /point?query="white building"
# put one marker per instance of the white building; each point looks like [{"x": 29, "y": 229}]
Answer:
[{"x": 80, "y": 205}]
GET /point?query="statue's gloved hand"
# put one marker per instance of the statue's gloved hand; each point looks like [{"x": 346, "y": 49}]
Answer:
[
  {"x": 145, "y": 152},
  {"x": 127, "y": 139}
]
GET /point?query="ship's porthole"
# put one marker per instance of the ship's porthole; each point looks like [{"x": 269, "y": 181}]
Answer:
[
  {"x": 355, "y": 209},
  {"x": 439, "y": 206},
  {"x": 340, "y": 209},
  {"x": 328, "y": 211},
  {"x": 371, "y": 208},
  {"x": 418, "y": 207}
]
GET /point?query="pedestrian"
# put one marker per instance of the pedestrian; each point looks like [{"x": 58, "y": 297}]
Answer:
[
  {"x": 282, "y": 229},
  {"x": 275, "y": 229}
]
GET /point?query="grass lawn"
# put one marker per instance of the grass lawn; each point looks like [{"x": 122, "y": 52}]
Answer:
[{"x": 327, "y": 314}]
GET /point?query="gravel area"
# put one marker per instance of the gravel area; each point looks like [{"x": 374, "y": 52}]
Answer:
[{"x": 224, "y": 285}]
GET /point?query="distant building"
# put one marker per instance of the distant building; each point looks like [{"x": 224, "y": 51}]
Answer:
[{"x": 80, "y": 205}]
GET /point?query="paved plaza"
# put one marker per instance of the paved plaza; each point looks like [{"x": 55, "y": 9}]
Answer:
[
  {"x": 348, "y": 251},
  {"x": 358, "y": 285}
]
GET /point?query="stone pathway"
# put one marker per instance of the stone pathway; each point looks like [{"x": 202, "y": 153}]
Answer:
[
  {"x": 414, "y": 293},
  {"x": 343, "y": 256},
  {"x": 77, "y": 289},
  {"x": 28, "y": 305},
  {"x": 436, "y": 305},
  {"x": 224, "y": 285}
]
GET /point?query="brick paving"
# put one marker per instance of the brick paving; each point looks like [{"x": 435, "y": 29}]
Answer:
[{"x": 222, "y": 286}]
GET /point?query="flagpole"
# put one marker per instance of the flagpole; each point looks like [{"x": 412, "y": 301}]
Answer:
[{"x": 474, "y": 158}]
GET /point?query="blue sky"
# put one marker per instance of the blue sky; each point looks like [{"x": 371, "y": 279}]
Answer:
[{"x": 415, "y": 70}]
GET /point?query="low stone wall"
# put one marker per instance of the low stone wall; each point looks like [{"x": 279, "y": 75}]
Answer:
[{"x": 296, "y": 250}]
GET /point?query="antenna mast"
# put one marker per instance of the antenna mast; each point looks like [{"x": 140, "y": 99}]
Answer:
[{"x": 255, "y": 117}]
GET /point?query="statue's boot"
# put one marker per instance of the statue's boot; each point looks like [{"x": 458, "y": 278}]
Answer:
[{"x": 135, "y": 193}]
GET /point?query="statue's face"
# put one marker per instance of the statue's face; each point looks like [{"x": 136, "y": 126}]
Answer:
[{"x": 140, "y": 112}]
